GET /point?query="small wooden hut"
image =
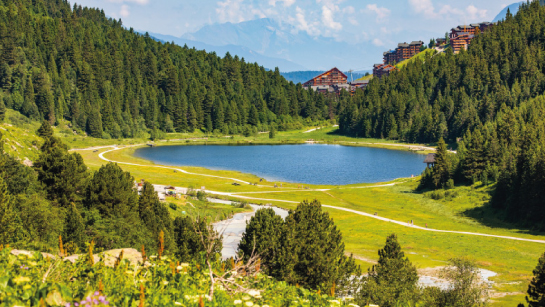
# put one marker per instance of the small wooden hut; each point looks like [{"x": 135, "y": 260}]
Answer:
[{"x": 430, "y": 160}]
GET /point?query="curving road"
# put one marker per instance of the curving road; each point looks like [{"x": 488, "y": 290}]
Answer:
[{"x": 237, "y": 195}]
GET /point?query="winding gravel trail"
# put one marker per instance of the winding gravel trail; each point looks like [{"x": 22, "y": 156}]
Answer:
[{"x": 237, "y": 195}]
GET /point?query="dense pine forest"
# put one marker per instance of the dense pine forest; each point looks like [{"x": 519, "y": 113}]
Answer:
[
  {"x": 76, "y": 64},
  {"x": 487, "y": 100},
  {"x": 447, "y": 95}
]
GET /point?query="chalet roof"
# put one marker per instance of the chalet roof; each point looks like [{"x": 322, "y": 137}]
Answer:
[
  {"x": 417, "y": 43},
  {"x": 486, "y": 23},
  {"x": 332, "y": 69},
  {"x": 465, "y": 26},
  {"x": 403, "y": 45},
  {"x": 378, "y": 65},
  {"x": 430, "y": 158},
  {"x": 475, "y": 25},
  {"x": 389, "y": 68},
  {"x": 440, "y": 39}
]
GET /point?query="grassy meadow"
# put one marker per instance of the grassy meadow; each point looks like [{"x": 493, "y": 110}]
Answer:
[{"x": 461, "y": 210}]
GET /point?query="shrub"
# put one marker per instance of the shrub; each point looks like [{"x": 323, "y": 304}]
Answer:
[{"x": 173, "y": 206}]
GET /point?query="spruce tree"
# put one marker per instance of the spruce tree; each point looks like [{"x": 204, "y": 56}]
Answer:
[
  {"x": 154, "y": 215},
  {"x": 262, "y": 237},
  {"x": 45, "y": 130},
  {"x": 2, "y": 111},
  {"x": 441, "y": 169},
  {"x": 74, "y": 228},
  {"x": 392, "y": 281},
  {"x": 187, "y": 235},
  {"x": 11, "y": 229},
  {"x": 536, "y": 289}
]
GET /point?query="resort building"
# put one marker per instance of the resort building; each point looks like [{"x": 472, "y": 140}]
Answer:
[{"x": 330, "y": 77}]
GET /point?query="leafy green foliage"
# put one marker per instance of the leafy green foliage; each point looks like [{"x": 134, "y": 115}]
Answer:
[
  {"x": 536, "y": 289},
  {"x": 392, "y": 281},
  {"x": 34, "y": 280}
]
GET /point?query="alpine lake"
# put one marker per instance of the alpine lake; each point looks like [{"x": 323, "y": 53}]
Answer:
[{"x": 316, "y": 164}]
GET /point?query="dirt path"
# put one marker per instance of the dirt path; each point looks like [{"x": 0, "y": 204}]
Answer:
[{"x": 237, "y": 195}]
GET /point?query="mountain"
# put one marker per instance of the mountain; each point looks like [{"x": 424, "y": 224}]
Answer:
[
  {"x": 249, "y": 55},
  {"x": 117, "y": 83},
  {"x": 514, "y": 8},
  {"x": 269, "y": 38},
  {"x": 303, "y": 76}
]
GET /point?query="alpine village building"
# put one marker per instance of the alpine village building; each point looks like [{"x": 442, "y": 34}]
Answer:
[{"x": 334, "y": 81}]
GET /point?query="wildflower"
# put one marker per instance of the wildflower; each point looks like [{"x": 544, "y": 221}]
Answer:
[
  {"x": 67, "y": 305},
  {"x": 246, "y": 298},
  {"x": 177, "y": 304},
  {"x": 249, "y": 304},
  {"x": 237, "y": 302},
  {"x": 165, "y": 282},
  {"x": 184, "y": 264},
  {"x": 335, "y": 302}
]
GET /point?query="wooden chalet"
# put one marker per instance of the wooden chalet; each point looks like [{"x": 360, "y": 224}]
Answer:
[
  {"x": 381, "y": 70},
  {"x": 330, "y": 77},
  {"x": 390, "y": 57}
]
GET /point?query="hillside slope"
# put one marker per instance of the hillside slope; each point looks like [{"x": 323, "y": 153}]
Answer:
[{"x": 77, "y": 64}]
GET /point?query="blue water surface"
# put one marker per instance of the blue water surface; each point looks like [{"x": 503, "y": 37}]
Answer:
[{"x": 308, "y": 163}]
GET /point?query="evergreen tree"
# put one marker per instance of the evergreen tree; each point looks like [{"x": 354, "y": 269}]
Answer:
[
  {"x": 393, "y": 280},
  {"x": 187, "y": 235},
  {"x": 536, "y": 289},
  {"x": 441, "y": 169},
  {"x": 11, "y": 230},
  {"x": 263, "y": 237},
  {"x": 2, "y": 111},
  {"x": 74, "y": 228},
  {"x": 154, "y": 215},
  {"x": 45, "y": 130}
]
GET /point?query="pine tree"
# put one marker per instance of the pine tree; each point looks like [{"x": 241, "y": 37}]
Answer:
[
  {"x": 262, "y": 237},
  {"x": 536, "y": 289},
  {"x": 11, "y": 230},
  {"x": 45, "y": 130},
  {"x": 74, "y": 227},
  {"x": 2, "y": 111},
  {"x": 441, "y": 169},
  {"x": 392, "y": 280}
]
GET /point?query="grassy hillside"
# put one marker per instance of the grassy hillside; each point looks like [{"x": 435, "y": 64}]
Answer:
[{"x": 19, "y": 136}]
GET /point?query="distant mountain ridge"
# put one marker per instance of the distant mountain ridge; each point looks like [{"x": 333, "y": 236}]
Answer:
[
  {"x": 513, "y": 8},
  {"x": 249, "y": 55},
  {"x": 304, "y": 76},
  {"x": 274, "y": 40}
]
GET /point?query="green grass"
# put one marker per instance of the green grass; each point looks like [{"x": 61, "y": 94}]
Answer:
[
  {"x": 196, "y": 208},
  {"x": 363, "y": 236},
  {"x": 19, "y": 136},
  {"x": 420, "y": 56},
  {"x": 369, "y": 77}
]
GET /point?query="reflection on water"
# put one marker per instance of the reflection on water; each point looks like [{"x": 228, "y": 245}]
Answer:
[{"x": 308, "y": 164}]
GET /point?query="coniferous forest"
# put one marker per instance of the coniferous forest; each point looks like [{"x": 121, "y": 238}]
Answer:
[
  {"x": 74, "y": 63},
  {"x": 488, "y": 101}
]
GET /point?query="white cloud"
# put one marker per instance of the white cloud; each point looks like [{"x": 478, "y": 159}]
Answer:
[
  {"x": 286, "y": 3},
  {"x": 378, "y": 42},
  {"x": 124, "y": 11},
  {"x": 327, "y": 18},
  {"x": 381, "y": 12},
  {"x": 423, "y": 6},
  {"x": 475, "y": 13},
  {"x": 235, "y": 11}
]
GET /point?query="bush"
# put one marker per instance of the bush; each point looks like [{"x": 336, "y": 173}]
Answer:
[
  {"x": 173, "y": 206},
  {"x": 201, "y": 195},
  {"x": 450, "y": 184},
  {"x": 437, "y": 195}
]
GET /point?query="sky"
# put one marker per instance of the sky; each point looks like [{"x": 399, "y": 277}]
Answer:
[{"x": 381, "y": 23}]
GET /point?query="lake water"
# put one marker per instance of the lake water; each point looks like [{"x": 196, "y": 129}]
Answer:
[{"x": 305, "y": 163}]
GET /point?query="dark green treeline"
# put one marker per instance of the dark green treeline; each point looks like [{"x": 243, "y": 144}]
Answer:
[
  {"x": 447, "y": 95},
  {"x": 59, "y": 62}
]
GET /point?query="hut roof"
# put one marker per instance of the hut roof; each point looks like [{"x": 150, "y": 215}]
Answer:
[{"x": 430, "y": 158}]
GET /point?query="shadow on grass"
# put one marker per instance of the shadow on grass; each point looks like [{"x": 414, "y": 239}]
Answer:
[{"x": 485, "y": 214}]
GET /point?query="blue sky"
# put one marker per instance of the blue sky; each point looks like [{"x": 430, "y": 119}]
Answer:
[{"x": 381, "y": 23}]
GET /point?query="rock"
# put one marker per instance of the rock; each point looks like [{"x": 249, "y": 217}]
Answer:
[
  {"x": 110, "y": 256},
  {"x": 30, "y": 254},
  {"x": 27, "y": 162}
]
